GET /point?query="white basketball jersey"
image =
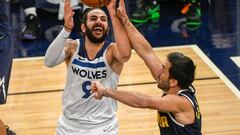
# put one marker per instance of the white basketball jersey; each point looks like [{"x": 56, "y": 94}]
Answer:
[{"x": 80, "y": 108}]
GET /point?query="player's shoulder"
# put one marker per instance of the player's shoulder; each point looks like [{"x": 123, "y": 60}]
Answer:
[
  {"x": 110, "y": 49},
  {"x": 111, "y": 46},
  {"x": 70, "y": 43}
]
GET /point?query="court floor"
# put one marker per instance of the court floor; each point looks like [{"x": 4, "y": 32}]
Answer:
[{"x": 34, "y": 101}]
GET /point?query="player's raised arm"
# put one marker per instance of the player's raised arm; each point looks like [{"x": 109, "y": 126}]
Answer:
[
  {"x": 139, "y": 43},
  {"x": 169, "y": 103},
  {"x": 56, "y": 53},
  {"x": 122, "y": 49}
]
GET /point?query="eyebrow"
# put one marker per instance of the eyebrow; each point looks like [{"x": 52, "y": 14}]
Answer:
[{"x": 103, "y": 16}]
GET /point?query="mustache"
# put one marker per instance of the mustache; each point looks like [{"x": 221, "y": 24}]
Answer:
[{"x": 98, "y": 25}]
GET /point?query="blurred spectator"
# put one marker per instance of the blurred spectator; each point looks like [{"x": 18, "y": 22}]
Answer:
[
  {"x": 150, "y": 11},
  {"x": 32, "y": 24},
  {"x": 192, "y": 10},
  {"x": 33, "y": 20},
  {"x": 146, "y": 10}
]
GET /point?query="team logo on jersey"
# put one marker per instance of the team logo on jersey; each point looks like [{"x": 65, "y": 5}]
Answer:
[
  {"x": 80, "y": 58},
  {"x": 89, "y": 71},
  {"x": 89, "y": 74},
  {"x": 163, "y": 121}
]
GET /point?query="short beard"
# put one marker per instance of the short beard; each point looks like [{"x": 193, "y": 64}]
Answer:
[
  {"x": 164, "y": 86},
  {"x": 93, "y": 39}
]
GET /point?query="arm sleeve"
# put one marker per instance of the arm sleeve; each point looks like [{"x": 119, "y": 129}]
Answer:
[{"x": 55, "y": 53}]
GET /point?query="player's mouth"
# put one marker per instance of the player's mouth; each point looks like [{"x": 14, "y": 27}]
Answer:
[{"x": 98, "y": 30}]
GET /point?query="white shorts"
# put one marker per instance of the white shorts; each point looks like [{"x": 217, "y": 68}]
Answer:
[{"x": 66, "y": 129}]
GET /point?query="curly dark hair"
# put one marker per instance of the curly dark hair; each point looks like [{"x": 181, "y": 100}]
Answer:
[
  {"x": 182, "y": 69},
  {"x": 85, "y": 14}
]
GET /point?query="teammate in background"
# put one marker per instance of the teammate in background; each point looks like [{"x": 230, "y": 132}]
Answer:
[
  {"x": 88, "y": 60},
  {"x": 178, "y": 109}
]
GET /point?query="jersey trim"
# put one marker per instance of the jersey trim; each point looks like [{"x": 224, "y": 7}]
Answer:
[
  {"x": 179, "y": 124},
  {"x": 180, "y": 93},
  {"x": 89, "y": 65},
  {"x": 105, "y": 59}
]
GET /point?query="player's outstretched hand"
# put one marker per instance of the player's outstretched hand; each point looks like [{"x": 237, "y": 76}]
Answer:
[
  {"x": 122, "y": 14},
  {"x": 97, "y": 89},
  {"x": 111, "y": 6}
]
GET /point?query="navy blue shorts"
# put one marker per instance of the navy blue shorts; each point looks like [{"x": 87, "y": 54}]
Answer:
[{"x": 6, "y": 56}]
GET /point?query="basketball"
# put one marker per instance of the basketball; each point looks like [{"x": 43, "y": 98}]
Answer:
[{"x": 95, "y": 3}]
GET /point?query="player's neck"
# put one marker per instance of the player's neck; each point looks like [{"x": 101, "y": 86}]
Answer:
[
  {"x": 92, "y": 48},
  {"x": 93, "y": 45},
  {"x": 173, "y": 90}
]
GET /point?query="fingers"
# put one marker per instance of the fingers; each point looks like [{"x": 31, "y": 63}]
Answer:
[
  {"x": 122, "y": 14},
  {"x": 93, "y": 87},
  {"x": 121, "y": 3},
  {"x": 95, "y": 95},
  {"x": 94, "y": 90},
  {"x": 109, "y": 1},
  {"x": 97, "y": 90},
  {"x": 121, "y": 9},
  {"x": 119, "y": 14},
  {"x": 111, "y": 6},
  {"x": 67, "y": 8},
  {"x": 67, "y": 4},
  {"x": 68, "y": 15}
]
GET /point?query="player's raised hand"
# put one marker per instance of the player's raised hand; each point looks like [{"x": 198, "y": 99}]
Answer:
[
  {"x": 122, "y": 14},
  {"x": 111, "y": 6},
  {"x": 68, "y": 16}
]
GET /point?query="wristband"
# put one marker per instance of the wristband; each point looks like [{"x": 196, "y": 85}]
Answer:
[{"x": 66, "y": 27}]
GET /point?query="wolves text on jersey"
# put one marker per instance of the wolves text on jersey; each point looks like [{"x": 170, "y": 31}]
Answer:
[{"x": 89, "y": 74}]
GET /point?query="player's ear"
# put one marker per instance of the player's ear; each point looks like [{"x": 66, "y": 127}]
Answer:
[
  {"x": 173, "y": 82},
  {"x": 83, "y": 28}
]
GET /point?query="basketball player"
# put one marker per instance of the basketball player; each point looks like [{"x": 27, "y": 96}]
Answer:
[
  {"x": 88, "y": 60},
  {"x": 178, "y": 109}
]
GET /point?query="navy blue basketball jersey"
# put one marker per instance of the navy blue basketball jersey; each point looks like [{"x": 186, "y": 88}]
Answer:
[{"x": 169, "y": 126}]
